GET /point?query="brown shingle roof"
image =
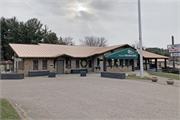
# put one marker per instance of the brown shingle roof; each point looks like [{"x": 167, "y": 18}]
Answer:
[
  {"x": 147, "y": 54},
  {"x": 53, "y": 50}
]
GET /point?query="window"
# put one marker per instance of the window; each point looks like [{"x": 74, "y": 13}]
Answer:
[
  {"x": 77, "y": 63},
  {"x": 127, "y": 62},
  {"x": 131, "y": 62},
  {"x": 98, "y": 61},
  {"x": 121, "y": 62},
  {"x": 35, "y": 65},
  {"x": 118, "y": 62},
  {"x": 90, "y": 63},
  {"x": 115, "y": 62},
  {"x": 124, "y": 63},
  {"x": 112, "y": 61},
  {"x": 107, "y": 62},
  {"x": 68, "y": 64},
  {"x": 44, "y": 64}
]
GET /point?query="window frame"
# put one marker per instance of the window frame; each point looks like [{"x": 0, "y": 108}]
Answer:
[
  {"x": 90, "y": 65},
  {"x": 67, "y": 64},
  {"x": 34, "y": 64},
  {"x": 126, "y": 62},
  {"x": 130, "y": 62},
  {"x": 115, "y": 62},
  {"x": 77, "y": 61},
  {"x": 43, "y": 64},
  {"x": 98, "y": 61},
  {"x": 110, "y": 62}
]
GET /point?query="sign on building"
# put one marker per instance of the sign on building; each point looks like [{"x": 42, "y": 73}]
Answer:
[
  {"x": 174, "y": 48},
  {"x": 175, "y": 54}
]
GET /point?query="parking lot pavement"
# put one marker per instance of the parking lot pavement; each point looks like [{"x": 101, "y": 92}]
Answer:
[{"x": 92, "y": 97}]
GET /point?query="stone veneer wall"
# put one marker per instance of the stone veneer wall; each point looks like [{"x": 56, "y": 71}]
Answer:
[
  {"x": 28, "y": 65},
  {"x": 73, "y": 65},
  {"x": 119, "y": 69}
]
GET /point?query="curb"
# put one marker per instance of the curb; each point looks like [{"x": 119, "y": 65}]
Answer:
[{"x": 19, "y": 112}]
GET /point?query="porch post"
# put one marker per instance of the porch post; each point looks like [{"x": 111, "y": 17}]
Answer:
[
  {"x": 156, "y": 64},
  {"x": 133, "y": 65},
  {"x": 104, "y": 60},
  {"x": 165, "y": 66},
  {"x": 16, "y": 66},
  {"x": 146, "y": 63}
]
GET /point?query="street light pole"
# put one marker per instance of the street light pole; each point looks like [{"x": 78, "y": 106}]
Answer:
[{"x": 140, "y": 39}]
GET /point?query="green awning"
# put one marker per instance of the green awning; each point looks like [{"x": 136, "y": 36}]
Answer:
[{"x": 127, "y": 53}]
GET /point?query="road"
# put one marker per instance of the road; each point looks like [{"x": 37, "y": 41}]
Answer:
[{"x": 92, "y": 97}]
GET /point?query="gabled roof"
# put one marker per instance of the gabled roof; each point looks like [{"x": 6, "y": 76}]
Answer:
[
  {"x": 147, "y": 54},
  {"x": 42, "y": 50}
]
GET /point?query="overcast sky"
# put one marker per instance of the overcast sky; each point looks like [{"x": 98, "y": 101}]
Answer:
[{"x": 116, "y": 20}]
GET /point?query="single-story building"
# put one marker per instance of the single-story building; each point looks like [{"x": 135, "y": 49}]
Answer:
[
  {"x": 160, "y": 63},
  {"x": 66, "y": 59},
  {"x": 150, "y": 58}
]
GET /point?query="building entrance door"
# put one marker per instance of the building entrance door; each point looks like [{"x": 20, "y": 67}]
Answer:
[{"x": 60, "y": 67}]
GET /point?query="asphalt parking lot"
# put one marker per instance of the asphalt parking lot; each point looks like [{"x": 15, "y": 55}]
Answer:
[{"x": 91, "y": 97}]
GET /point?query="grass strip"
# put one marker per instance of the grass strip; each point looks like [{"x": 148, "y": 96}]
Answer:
[
  {"x": 138, "y": 78},
  {"x": 166, "y": 75},
  {"x": 7, "y": 111}
]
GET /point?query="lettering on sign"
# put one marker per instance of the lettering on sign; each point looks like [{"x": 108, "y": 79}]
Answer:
[
  {"x": 175, "y": 54},
  {"x": 174, "y": 48}
]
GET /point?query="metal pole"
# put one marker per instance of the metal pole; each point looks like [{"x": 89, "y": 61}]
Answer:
[
  {"x": 140, "y": 39},
  {"x": 173, "y": 56}
]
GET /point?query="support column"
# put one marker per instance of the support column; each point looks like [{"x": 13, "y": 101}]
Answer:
[
  {"x": 156, "y": 64},
  {"x": 146, "y": 63},
  {"x": 16, "y": 66},
  {"x": 104, "y": 60},
  {"x": 165, "y": 66},
  {"x": 133, "y": 65}
]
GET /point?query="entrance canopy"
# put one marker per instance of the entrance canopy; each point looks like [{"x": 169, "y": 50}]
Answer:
[{"x": 127, "y": 53}]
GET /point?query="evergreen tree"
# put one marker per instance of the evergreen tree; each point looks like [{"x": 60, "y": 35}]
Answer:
[
  {"x": 50, "y": 38},
  {"x": 34, "y": 31},
  {"x": 30, "y": 32},
  {"x": 4, "y": 41}
]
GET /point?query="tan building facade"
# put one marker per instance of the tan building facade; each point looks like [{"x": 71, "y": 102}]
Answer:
[{"x": 68, "y": 59}]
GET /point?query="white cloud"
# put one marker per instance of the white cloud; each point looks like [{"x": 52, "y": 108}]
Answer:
[{"x": 116, "y": 20}]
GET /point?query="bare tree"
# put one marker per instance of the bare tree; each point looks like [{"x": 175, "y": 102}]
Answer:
[
  {"x": 94, "y": 41},
  {"x": 66, "y": 41},
  {"x": 136, "y": 45}
]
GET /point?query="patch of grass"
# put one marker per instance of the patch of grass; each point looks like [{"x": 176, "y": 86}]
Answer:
[
  {"x": 138, "y": 78},
  {"x": 7, "y": 111},
  {"x": 166, "y": 75}
]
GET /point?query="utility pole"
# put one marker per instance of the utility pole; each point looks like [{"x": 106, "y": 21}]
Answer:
[
  {"x": 140, "y": 39},
  {"x": 173, "y": 56}
]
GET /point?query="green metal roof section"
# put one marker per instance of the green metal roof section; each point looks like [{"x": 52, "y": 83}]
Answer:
[{"x": 127, "y": 53}]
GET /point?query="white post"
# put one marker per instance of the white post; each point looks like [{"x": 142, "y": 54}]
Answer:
[{"x": 140, "y": 40}]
